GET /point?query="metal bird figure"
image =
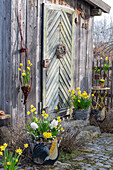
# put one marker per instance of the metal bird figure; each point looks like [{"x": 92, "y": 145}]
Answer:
[{"x": 42, "y": 154}]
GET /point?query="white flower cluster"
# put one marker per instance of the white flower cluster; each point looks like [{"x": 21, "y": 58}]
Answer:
[
  {"x": 34, "y": 125},
  {"x": 53, "y": 124}
]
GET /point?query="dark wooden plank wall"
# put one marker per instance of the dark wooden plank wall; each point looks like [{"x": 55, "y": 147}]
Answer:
[
  {"x": 5, "y": 60},
  {"x": 10, "y": 92}
]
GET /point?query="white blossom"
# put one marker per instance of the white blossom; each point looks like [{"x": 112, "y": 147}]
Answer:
[
  {"x": 53, "y": 124},
  {"x": 34, "y": 125}
]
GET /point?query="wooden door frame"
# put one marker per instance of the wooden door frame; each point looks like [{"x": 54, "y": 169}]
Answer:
[{"x": 64, "y": 8}]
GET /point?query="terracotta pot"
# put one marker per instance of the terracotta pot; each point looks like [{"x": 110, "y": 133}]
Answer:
[
  {"x": 101, "y": 84},
  {"x": 97, "y": 76},
  {"x": 81, "y": 114}
]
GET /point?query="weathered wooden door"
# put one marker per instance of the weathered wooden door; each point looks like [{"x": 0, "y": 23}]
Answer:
[{"x": 58, "y": 78}]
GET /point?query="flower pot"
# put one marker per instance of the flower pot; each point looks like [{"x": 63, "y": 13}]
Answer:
[
  {"x": 81, "y": 114},
  {"x": 45, "y": 153},
  {"x": 101, "y": 84},
  {"x": 26, "y": 91},
  {"x": 97, "y": 76},
  {"x": 104, "y": 75}
]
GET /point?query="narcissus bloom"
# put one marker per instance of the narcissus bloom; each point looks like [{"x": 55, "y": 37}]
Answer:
[
  {"x": 8, "y": 163},
  {"x": 21, "y": 64},
  {"x": 26, "y": 145},
  {"x": 19, "y": 69}
]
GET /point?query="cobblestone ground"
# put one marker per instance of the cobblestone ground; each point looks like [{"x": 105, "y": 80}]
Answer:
[{"x": 97, "y": 154}]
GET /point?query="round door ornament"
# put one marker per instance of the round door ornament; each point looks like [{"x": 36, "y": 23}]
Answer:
[{"x": 61, "y": 50}]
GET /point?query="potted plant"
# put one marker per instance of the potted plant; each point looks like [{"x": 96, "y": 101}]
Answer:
[
  {"x": 106, "y": 67},
  {"x": 101, "y": 82},
  {"x": 81, "y": 103},
  {"x": 97, "y": 73},
  {"x": 25, "y": 76},
  {"x": 44, "y": 136}
]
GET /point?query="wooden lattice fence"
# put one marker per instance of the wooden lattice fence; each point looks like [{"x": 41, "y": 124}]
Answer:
[{"x": 108, "y": 101}]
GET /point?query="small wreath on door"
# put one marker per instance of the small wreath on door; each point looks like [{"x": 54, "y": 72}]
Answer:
[{"x": 61, "y": 50}]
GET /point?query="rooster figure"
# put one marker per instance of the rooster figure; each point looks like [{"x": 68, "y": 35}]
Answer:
[{"x": 42, "y": 154}]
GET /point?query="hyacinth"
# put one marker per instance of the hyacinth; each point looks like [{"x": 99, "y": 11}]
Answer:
[
  {"x": 53, "y": 124},
  {"x": 34, "y": 126}
]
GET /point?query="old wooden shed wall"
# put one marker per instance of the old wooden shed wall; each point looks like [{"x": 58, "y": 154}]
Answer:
[{"x": 11, "y": 96}]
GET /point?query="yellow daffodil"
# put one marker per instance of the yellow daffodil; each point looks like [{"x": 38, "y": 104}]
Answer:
[
  {"x": 5, "y": 145},
  {"x": 102, "y": 80},
  {"x": 73, "y": 92},
  {"x": 28, "y": 61},
  {"x": 35, "y": 113},
  {"x": 59, "y": 125},
  {"x": 73, "y": 97},
  {"x": 1, "y": 153},
  {"x": 19, "y": 151},
  {"x": 8, "y": 163},
  {"x": 36, "y": 119},
  {"x": 32, "y": 106},
  {"x": 32, "y": 110},
  {"x": 56, "y": 107},
  {"x": 31, "y": 64},
  {"x": 19, "y": 69},
  {"x": 24, "y": 71},
  {"x": 5, "y": 157},
  {"x": 55, "y": 127},
  {"x": 79, "y": 92},
  {"x": 69, "y": 91},
  {"x": 16, "y": 160},
  {"x": 2, "y": 148},
  {"x": 23, "y": 74},
  {"x": 28, "y": 113},
  {"x": 101, "y": 58},
  {"x": 21, "y": 64},
  {"x": 62, "y": 129},
  {"x": 45, "y": 117},
  {"x": 106, "y": 58},
  {"x": 92, "y": 95},
  {"x": 78, "y": 101},
  {"x": 43, "y": 111},
  {"x": 28, "y": 68},
  {"x": 58, "y": 117},
  {"x": 78, "y": 88},
  {"x": 59, "y": 120},
  {"x": 26, "y": 145}
]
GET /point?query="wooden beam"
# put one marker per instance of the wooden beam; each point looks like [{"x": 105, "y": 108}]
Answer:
[
  {"x": 5, "y": 116},
  {"x": 96, "y": 12},
  {"x": 100, "y": 4}
]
